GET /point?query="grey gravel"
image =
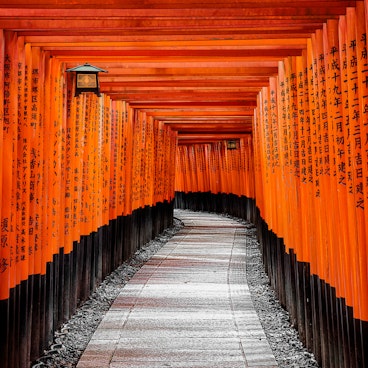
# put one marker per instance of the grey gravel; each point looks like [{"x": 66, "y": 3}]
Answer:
[
  {"x": 282, "y": 337},
  {"x": 73, "y": 337}
]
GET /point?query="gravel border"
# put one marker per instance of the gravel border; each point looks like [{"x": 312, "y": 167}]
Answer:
[
  {"x": 72, "y": 339},
  {"x": 282, "y": 337}
]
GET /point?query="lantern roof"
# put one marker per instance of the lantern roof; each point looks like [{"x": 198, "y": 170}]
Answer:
[{"x": 86, "y": 68}]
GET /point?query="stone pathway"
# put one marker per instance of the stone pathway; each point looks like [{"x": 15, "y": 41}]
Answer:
[{"x": 188, "y": 306}]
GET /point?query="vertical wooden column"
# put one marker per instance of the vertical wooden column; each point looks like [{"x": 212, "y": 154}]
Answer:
[
  {"x": 340, "y": 245},
  {"x": 357, "y": 65},
  {"x": 35, "y": 75},
  {"x": 127, "y": 169},
  {"x": 360, "y": 130},
  {"x": 9, "y": 144},
  {"x": 8, "y": 219}
]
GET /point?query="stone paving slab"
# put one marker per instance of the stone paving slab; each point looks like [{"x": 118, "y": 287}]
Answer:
[{"x": 189, "y": 306}]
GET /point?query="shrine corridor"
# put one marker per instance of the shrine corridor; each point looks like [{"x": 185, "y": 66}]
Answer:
[{"x": 114, "y": 113}]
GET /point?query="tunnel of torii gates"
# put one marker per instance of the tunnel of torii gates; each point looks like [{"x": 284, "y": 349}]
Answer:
[{"x": 254, "y": 109}]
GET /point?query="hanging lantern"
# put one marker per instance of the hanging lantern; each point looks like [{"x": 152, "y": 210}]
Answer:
[
  {"x": 87, "y": 79},
  {"x": 231, "y": 144}
]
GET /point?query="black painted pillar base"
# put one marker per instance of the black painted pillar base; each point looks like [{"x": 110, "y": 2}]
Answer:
[{"x": 242, "y": 207}]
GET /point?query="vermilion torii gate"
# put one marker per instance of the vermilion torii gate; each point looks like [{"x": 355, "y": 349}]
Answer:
[{"x": 86, "y": 180}]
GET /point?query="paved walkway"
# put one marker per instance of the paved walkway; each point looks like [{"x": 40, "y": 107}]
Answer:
[{"x": 188, "y": 306}]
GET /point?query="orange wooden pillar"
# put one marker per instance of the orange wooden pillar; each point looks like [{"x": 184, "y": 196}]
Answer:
[
  {"x": 181, "y": 174},
  {"x": 354, "y": 163},
  {"x": 9, "y": 145},
  {"x": 74, "y": 161},
  {"x": 4, "y": 246},
  {"x": 360, "y": 163},
  {"x": 170, "y": 145},
  {"x": 127, "y": 159},
  {"x": 8, "y": 220},
  {"x": 266, "y": 142},
  {"x": 36, "y": 197},
  {"x": 334, "y": 116},
  {"x": 120, "y": 158},
  {"x": 249, "y": 166},
  {"x": 21, "y": 213},
  {"x": 345, "y": 141},
  {"x": 113, "y": 159},
  {"x": 258, "y": 159},
  {"x": 86, "y": 167},
  {"x": 159, "y": 165},
  {"x": 149, "y": 166},
  {"x": 282, "y": 111},
  {"x": 337, "y": 162},
  {"x": 138, "y": 141}
]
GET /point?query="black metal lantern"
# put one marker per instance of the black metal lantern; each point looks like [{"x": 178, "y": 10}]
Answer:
[
  {"x": 87, "y": 78},
  {"x": 232, "y": 144}
]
